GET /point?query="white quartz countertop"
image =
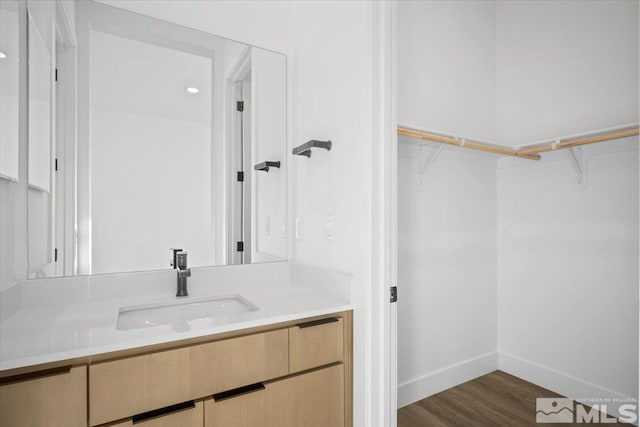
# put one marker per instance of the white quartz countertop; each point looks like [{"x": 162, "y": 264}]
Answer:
[{"x": 76, "y": 327}]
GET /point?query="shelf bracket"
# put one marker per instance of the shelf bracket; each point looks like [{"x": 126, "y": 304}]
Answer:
[
  {"x": 429, "y": 161},
  {"x": 580, "y": 165}
]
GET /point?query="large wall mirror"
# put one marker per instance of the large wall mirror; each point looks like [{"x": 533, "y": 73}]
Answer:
[
  {"x": 9, "y": 61},
  {"x": 145, "y": 136}
]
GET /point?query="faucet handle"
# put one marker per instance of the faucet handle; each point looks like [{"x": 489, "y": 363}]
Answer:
[{"x": 175, "y": 253}]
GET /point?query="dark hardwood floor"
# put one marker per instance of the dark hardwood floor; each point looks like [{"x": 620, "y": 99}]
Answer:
[{"x": 493, "y": 400}]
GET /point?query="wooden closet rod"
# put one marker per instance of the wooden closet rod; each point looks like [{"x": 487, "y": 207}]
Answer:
[
  {"x": 583, "y": 140},
  {"x": 496, "y": 149},
  {"x": 532, "y": 153}
]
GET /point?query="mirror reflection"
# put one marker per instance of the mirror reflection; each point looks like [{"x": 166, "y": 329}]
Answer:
[
  {"x": 9, "y": 61},
  {"x": 155, "y": 141}
]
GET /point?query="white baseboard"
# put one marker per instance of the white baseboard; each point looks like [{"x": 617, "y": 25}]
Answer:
[
  {"x": 558, "y": 382},
  {"x": 442, "y": 379}
]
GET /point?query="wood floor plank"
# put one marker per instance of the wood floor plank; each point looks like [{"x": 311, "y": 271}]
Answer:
[{"x": 493, "y": 400}]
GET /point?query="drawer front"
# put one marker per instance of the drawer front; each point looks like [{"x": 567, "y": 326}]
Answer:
[
  {"x": 244, "y": 409},
  {"x": 315, "y": 343},
  {"x": 188, "y": 417},
  {"x": 313, "y": 399},
  {"x": 57, "y": 399},
  {"x": 125, "y": 387}
]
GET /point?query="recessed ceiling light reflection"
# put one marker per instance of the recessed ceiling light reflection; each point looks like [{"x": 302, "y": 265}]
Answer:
[
  {"x": 193, "y": 90},
  {"x": 2, "y": 55}
]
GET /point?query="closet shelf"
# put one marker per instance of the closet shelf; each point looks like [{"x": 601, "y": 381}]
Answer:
[{"x": 530, "y": 152}]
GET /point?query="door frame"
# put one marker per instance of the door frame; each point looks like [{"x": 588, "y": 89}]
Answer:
[
  {"x": 65, "y": 119},
  {"x": 382, "y": 196},
  {"x": 239, "y": 156}
]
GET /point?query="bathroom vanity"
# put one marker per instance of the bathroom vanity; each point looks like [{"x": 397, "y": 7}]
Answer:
[
  {"x": 287, "y": 374},
  {"x": 285, "y": 362}
]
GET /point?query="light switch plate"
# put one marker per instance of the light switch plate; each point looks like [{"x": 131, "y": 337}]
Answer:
[
  {"x": 299, "y": 228},
  {"x": 330, "y": 226}
]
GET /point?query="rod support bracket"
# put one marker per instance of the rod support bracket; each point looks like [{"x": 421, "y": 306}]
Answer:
[
  {"x": 429, "y": 160},
  {"x": 580, "y": 166}
]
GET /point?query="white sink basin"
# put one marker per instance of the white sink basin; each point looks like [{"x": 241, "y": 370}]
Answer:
[{"x": 179, "y": 312}]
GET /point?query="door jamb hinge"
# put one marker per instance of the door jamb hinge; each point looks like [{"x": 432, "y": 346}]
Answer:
[{"x": 394, "y": 293}]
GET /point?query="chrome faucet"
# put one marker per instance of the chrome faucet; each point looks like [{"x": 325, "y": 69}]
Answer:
[{"x": 180, "y": 264}]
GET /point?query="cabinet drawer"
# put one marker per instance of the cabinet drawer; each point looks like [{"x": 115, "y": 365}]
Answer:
[
  {"x": 313, "y": 399},
  {"x": 58, "y": 398},
  {"x": 244, "y": 409},
  {"x": 315, "y": 343},
  {"x": 191, "y": 416},
  {"x": 125, "y": 387}
]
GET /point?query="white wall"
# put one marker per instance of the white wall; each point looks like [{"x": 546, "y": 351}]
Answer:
[
  {"x": 447, "y": 66},
  {"x": 8, "y": 224},
  {"x": 330, "y": 101},
  {"x": 568, "y": 272},
  {"x": 141, "y": 212},
  {"x": 268, "y": 143},
  {"x": 565, "y": 67},
  {"x": 446, "y": 226},
  {"x": 446, "y": 269},
  {"x": 568, "y": 260},
  {"x": 39, "y": 232}
]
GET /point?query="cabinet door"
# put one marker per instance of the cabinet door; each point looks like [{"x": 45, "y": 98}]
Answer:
[
  {"x": 191, "y": 416},
  {"x": 57, "y": 398},
  {"x": 314, "y": 399},
  {"x": 316, "y": 343}
]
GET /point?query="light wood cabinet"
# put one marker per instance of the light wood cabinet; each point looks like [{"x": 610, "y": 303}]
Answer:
[
  {"x": 313, "y": 399},
  {"x": 291, "y": 374},
  {"x": 125, "y": 387},
  {"x": 53, "y": 398},
  {"x": 192, "y": 415},
  {"x": 315, "y": 343},
  {"x": 243, "y": 409}
]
